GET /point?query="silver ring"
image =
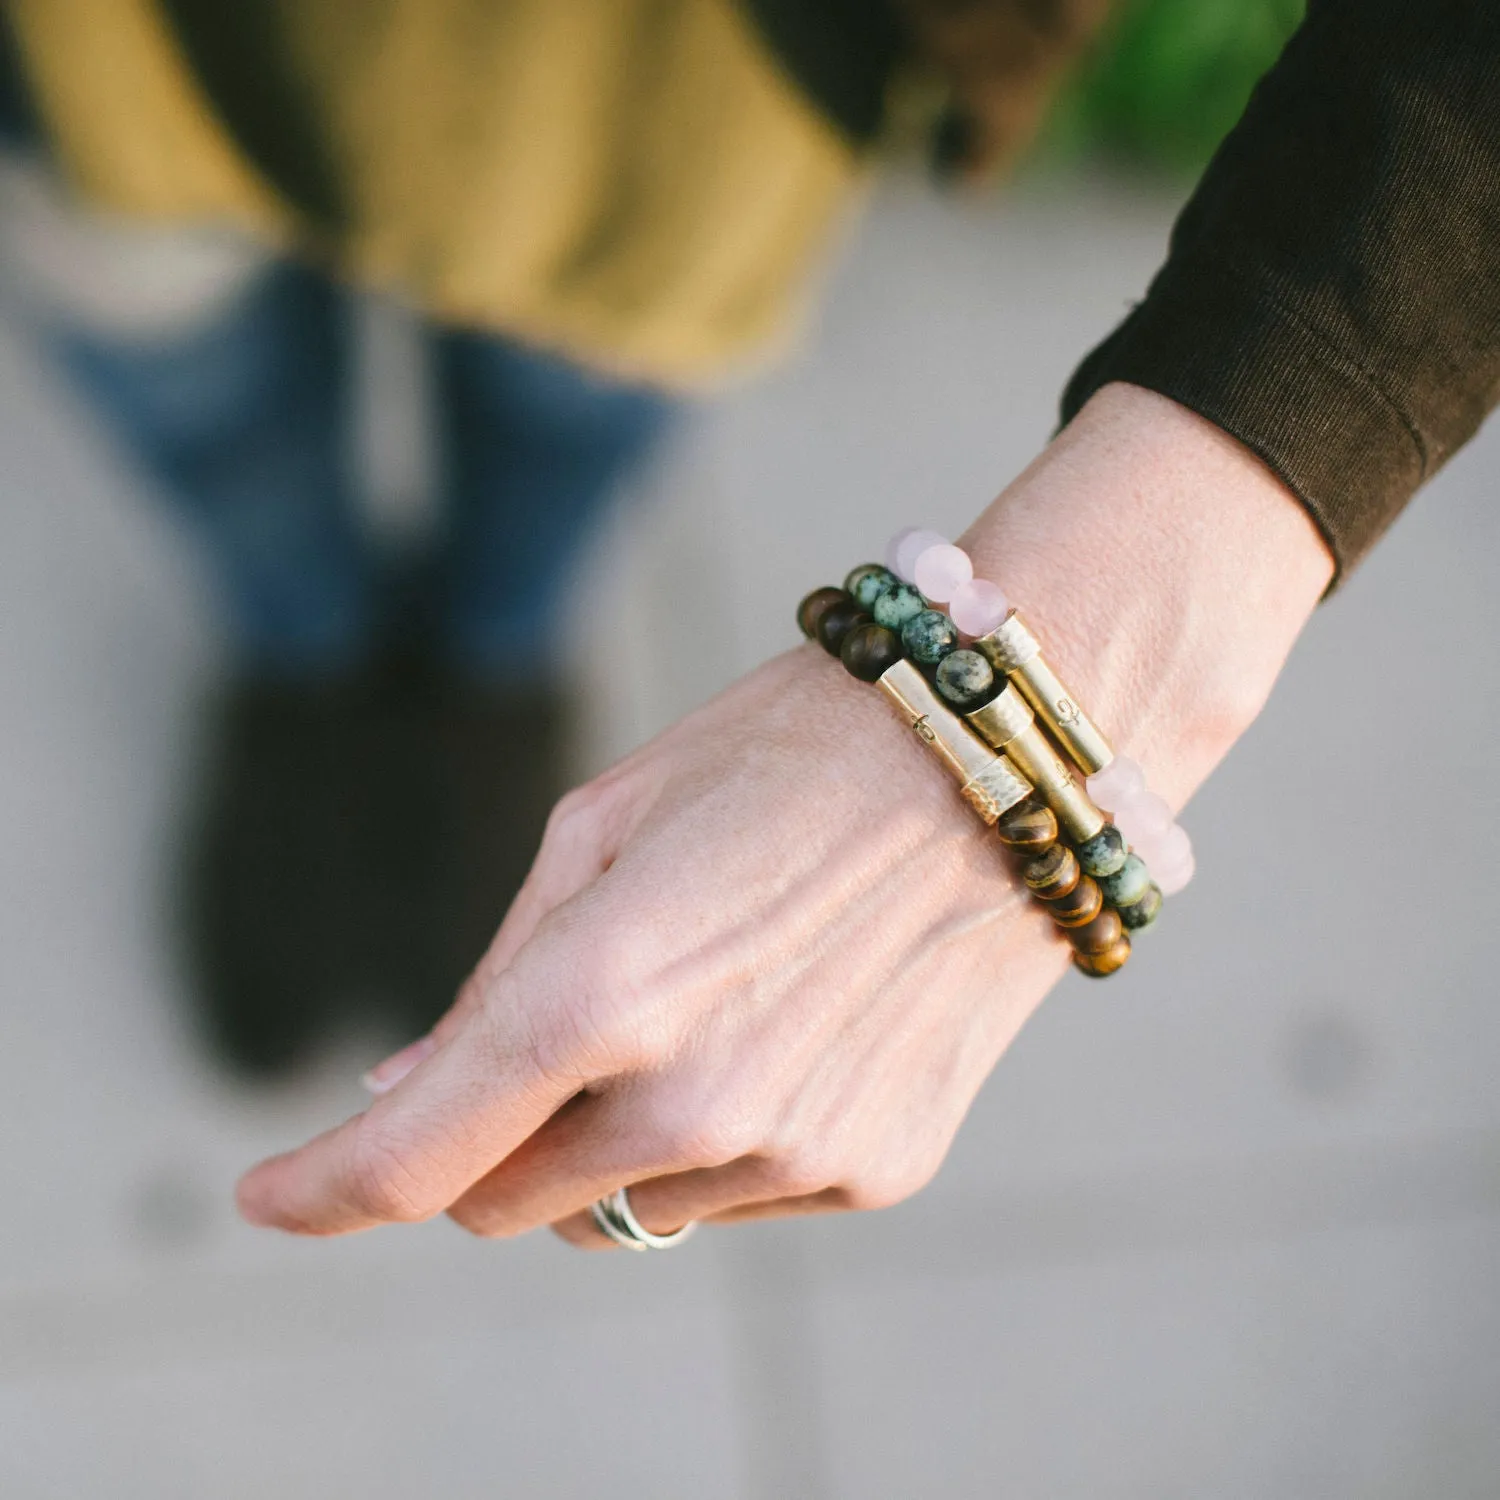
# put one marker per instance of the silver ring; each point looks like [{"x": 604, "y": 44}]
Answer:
[{"x": 616, "y": 1219}]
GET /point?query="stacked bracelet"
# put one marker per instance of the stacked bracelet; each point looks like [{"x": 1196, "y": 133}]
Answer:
[{"x": 977, "y": 708}]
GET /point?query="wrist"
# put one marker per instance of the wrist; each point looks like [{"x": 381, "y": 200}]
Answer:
[{"x": 1167, "y": 570}]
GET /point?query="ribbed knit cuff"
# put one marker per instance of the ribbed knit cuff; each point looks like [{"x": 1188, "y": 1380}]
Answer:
[{"x": 1225, "y": 347}]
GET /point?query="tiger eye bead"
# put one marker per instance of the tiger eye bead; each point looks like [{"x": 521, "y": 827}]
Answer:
[
  {"x": 1104, "y": 854},
  {"x": 1100, "y": 934},
  {"x": 868, "y": 581},
  {"x": 868, "y": 650},
  {"x": 836, "y": 622},
  {"x": 929, "y": 637},
  {"x": 1080, "y": 906},
  {"x": 1028, "y": 828},
  {"x": 810, "y": 611},
  {"x": 1128, "y": 884},
  {"x": 1053, "y": 873},
  {"x": 1100, "y": 965},
  {"x": 1141, "y": 914}
]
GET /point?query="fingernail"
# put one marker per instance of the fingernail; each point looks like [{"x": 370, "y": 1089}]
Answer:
[{"x": 383, "y": 1077}]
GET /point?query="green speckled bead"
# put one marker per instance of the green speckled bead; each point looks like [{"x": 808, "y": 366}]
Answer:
[
  {"x": 810, "y": 611},
  {"x": 1104, "y": 854},
  {"x": 1128, "y": 884},
  {"x": 868, "y": 650},
  {"x": 896, "y": 604},
  {"x": 966, "y": 680},
  {"x": 867, "y": 581},
  {"x": 836, "y": 622},
  {"x": 1141, "y": 914},
  {"x": 929, "y": 637}
]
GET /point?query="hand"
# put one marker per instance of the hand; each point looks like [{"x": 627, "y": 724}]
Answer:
[{"x": 763, "y": 965}]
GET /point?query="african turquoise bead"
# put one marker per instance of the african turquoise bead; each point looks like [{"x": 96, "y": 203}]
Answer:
[
  {"x": 929, "y": 637},
  {"x": 1142, "y": 913},
  {"x": 895, "y": 604},
  {"x": 965, "y": 679},
  {"x": 1128, "y": 884},
  {"x": 1104, "y": 854},
  {"x": 868, "y": 580}
]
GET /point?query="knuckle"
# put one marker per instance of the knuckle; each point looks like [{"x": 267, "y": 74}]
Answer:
[
  {"x": 381, "y": 1184},
  {"x": 612, "y": 1018},
  {"x": 481, "y": 1223},
  {"x": 579, "y": 818},
  {"x": 886, "y": 1186},
  {"x": 800, "y": 1168},
  {"x": 685, "y": 1134}
]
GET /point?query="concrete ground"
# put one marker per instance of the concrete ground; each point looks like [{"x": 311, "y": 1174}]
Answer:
[{"x": 1231, "y": 1228}]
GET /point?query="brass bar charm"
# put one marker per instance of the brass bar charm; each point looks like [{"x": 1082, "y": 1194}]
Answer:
[
  {"x": 1007, "y": 723},
  {"x": 1014, "y": 650},
  {"x": 990, "y": 783}
]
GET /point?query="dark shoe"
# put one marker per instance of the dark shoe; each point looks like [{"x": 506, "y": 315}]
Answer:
[
  {"x": 269, "y": 888},
  {"x": 470, "y": 775}
]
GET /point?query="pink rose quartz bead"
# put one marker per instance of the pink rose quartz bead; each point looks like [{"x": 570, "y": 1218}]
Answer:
[
  {"x": 1117, "y": 783},
  {"x": 1143, "y": 817},
  {"x": 1175, "y": 878},
  {"x": 978, "y": 607},
  {"x": 909, "y": 548},
  {"x": 941, "y": 571},
  {"x": 1164, "y": 847},
  {"x": 893, "y": 547}
]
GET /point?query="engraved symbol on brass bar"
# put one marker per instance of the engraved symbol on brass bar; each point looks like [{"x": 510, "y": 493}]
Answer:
[{"x": 1067, "y": 711}]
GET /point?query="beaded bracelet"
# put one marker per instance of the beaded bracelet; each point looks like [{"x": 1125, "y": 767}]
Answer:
[
  {"x": 944, "y": 574},
  {"x": 1077, "y": 863}
]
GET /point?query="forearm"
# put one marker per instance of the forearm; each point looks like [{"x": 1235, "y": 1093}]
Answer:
[{"x": 1166, "y": 568}]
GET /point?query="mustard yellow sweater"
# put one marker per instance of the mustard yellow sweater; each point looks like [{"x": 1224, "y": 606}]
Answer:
[{"x": 632, "y": 182}]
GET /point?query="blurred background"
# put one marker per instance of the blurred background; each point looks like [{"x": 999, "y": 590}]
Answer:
[{"x": 1230, "y": 1228}]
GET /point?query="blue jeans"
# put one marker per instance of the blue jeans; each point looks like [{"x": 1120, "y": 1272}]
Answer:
[{"x": 244, "y": 424}]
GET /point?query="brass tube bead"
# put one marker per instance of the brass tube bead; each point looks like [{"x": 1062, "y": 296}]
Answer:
[
  {"x": 1012, "y": 648},
  {"x": 991, "y": 784},
  {"x": 1007, "y": 723}
]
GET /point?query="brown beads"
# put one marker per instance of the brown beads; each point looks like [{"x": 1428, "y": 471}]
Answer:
[
  {"x": 1053, "y": 873},
  {"x": 837, "y": 621},
  {"x": 869, "y": 650},
  {"x": 1080, "y": 906},
  {"x": 810, "y": 611},
  {"x": 1028, "y": 828},
  {"x": 1099, "y": 965},
  {"x": 1099, "y": 935}
]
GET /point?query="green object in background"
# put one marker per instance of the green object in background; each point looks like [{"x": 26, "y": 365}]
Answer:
[{"x": 1167, "y": 80}]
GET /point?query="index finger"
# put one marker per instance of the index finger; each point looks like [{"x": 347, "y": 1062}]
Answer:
[{"x": 417, "y": 1149}]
